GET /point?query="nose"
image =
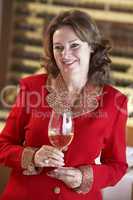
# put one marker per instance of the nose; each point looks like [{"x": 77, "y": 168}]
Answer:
[{"x": 66, "y": 53}]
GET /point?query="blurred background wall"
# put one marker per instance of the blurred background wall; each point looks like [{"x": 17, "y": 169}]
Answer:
[{"x": 21, "y": 43}]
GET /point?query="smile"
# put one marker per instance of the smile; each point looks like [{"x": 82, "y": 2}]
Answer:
[{"x": 69, "y": 63}]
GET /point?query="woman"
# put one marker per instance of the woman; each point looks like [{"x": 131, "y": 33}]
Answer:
[{"x": 76, "y": 58}]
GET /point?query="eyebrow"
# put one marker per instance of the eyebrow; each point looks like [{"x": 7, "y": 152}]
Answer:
[
  {"x": 68, "y": 41},
  {"x": 73, "y": 40}
]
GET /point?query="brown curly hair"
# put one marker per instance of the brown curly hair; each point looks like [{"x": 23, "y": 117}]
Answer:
[{"x": 86, "y": 29}]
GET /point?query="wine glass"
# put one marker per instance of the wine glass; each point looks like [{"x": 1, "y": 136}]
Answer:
[{"x": 61, "y": 130}]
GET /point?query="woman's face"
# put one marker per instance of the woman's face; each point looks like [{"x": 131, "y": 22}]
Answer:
[{"x": 71, "y": 54}]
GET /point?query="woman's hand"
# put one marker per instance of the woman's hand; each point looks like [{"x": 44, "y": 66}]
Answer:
[
  {"x": 48, "y": 156},
  {"x": 71, "y": 176}
]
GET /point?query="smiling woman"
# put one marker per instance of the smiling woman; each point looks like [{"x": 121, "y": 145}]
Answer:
[
  {"x": 83, "y": 30},
  {"x": 72, "y": 57},
  {"x": 77, "y": 61}
]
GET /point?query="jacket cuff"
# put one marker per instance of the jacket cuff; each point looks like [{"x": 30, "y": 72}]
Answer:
[
  {"x": 27, "y": 163},
  {"x": 87, "y": 179}
]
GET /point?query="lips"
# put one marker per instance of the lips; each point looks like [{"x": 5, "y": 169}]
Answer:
[{"x": 69, "y": 63}]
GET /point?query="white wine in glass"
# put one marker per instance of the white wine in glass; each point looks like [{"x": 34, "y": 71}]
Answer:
[{"x": 61, "y": 130}]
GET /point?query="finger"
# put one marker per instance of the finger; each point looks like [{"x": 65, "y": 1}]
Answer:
[
  {"x": 53, "y": 150},
  {"x": 61, "y": 176},
  {"x": 55, "y": 175},
  {"x": 50, "y": 163},
  {"x": 55, "y": 157},
  {"x": 66, "y": 176},
  {"x": 66, "y": 168},
  {"x": 66, "y": 171},
  {"x": 52, "y": 153},
  {"x": 42, "y": 164},
  {"x": 56, "y": 163},
  {"x": 43, "y": 158}
]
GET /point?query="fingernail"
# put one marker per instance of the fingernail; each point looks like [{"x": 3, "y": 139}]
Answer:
[
  {"x": 61, "y": 160},
  {"x": 62, "y": 164},
  {"x": 55, "y": 170},
  {"x": 62, "y": 154},
  {"x": 49, "y": 174}
]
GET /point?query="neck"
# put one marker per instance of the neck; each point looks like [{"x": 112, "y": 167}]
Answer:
[{"x": 74, "y": 85}]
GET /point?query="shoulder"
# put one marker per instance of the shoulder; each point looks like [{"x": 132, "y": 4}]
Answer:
[
  {"x": 113, "y": 94},
  {"x": 34, "y": 81},
  {"x": 111, "y": 90}
]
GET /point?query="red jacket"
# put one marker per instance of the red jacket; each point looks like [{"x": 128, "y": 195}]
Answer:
[{"x": 103, "y": 131}]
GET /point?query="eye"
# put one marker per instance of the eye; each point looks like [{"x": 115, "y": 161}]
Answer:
[
  {"x": 58, "y": 48},
  {"x": 75, "y": 45}
]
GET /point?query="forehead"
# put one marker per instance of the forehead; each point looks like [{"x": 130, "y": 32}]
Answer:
[{"x": 65, "y": 33}]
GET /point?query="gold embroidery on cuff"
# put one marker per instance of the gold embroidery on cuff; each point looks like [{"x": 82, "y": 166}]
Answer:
[
  {"x": 27, "y": 161},
  {"x": 87, "y": 179}
]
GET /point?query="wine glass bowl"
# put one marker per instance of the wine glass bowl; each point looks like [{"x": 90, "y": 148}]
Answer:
[{"x": 61, "y": 130}]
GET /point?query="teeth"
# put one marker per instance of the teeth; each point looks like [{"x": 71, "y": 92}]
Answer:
[{"x": 68, "y": 63}]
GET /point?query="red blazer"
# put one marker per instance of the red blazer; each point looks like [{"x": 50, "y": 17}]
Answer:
[{"x": 102, "y": 131}]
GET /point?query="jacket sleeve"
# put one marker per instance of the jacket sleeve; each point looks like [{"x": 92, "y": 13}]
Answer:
[
  {"x": 12, "y": 136},
  {"x": 113, "y": 156}
]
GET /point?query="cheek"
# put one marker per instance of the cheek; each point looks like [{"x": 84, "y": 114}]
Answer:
[
  {"x": 57, "y": 60},
  {"x": 56, "y": 57},
  {"x": 85, "y": 56}
]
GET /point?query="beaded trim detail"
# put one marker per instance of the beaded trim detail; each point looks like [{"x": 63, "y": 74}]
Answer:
[
  {"x": 86, "y": 102},
  {"x": 87, "y": 180},
  {"x": 27, "y": 163}
]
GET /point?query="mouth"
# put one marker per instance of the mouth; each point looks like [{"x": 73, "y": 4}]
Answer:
[{"x": 68, "y": 64}]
